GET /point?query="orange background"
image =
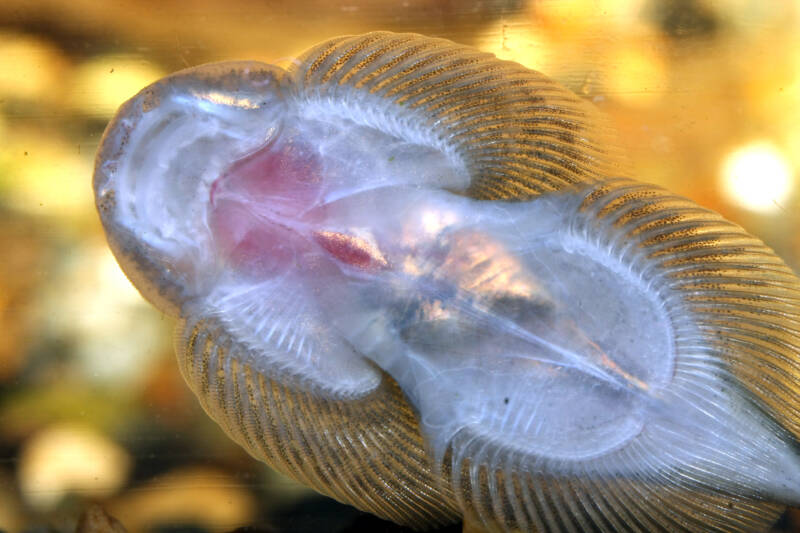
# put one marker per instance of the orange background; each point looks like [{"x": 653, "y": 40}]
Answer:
[{"x": 705, "y": 95}]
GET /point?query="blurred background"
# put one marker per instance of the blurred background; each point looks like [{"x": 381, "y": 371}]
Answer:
[{"x": 705, "y": 95}]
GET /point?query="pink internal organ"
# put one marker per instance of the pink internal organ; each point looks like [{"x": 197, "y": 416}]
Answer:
[
  {"x": 261, "y": 205},
  {"x": 351, "y": 250},
  {"x": 265, "y": 214}
]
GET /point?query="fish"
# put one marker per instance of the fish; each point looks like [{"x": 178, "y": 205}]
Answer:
[{"x": 421, "y": 281}]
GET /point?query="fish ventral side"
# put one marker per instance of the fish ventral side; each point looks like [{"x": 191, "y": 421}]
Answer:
[{"x": 315, "y": 236}]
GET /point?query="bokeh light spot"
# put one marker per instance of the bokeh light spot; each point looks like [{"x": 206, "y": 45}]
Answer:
[
  {"x": 68, "y": 458},
  {"x": 30, "y": 68},
  {"x": 43, "y": 176},
  {"x": 757, "y": 177},
  {"x": 103, "y": 83},
  {"x": 208, "y": 498}
]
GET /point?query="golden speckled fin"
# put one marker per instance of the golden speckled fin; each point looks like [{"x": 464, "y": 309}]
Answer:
[
  {"x": 528, "y": 503},
  {"x": 364, "y": 451},
  {"x": 733, "y": 298},
  {"x": 516, "y": 132},
  {"x": 739, "y": 293}
]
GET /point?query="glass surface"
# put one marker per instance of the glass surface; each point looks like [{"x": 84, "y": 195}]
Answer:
[{"x": 705, "y": 96}]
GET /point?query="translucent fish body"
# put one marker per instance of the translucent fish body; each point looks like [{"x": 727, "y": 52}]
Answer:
[{"x": 406, "y": 277}]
